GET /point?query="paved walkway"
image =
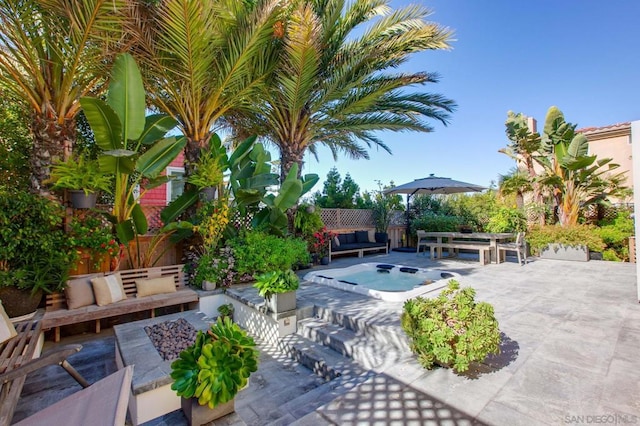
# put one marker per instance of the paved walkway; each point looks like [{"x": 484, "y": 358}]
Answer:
[
  {"x": 572, "y": 339},
  {"x": 570, "y": 354}
]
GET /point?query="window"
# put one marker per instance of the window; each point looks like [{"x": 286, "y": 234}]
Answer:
[{"x": 176, "y": 185}]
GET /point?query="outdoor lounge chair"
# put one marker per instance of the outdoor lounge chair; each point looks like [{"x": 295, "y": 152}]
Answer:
[
  {"x": 103, "y": 403},
  {"x": 519, "y": 246}
]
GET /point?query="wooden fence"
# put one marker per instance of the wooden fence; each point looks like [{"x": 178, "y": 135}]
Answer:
[{"x": 346, "y": 220}]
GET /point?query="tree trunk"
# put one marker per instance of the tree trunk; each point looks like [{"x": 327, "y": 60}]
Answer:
[
  {"x": 51, "y": 141},
  {"x": 290, "y": 155}
]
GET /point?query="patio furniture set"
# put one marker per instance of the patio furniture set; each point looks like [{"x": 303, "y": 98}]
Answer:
[{"x": 491, "y": 247}]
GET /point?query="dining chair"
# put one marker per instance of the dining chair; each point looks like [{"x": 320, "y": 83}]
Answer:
[{"x": 519, "y": 246}]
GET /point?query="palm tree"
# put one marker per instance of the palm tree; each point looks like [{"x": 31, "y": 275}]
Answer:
[
  {"x": 53, "y": 52},
  {"x": 336, "y": 83},
  {"x": 203, "y": 59},
  {"x": 524, "y": 148},
  {"x": 515, "y": 182}
]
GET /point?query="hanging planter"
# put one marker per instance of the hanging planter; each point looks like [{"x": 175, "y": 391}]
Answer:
[{"x": 82, "y": 200}]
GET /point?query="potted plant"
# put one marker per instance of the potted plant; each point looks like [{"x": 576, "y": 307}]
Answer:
[
  {"x": 209, "y": 373},
  {"x": 207, "y": 174},
  {"x": 279, "y": 289},
  {"x": 35, "y": 253},
  {"x": 226, "y": 311},
  {"x": 564, "y": 242},
  {"x": 95, "y": 244},
  {"x": 82, "y": 178}
]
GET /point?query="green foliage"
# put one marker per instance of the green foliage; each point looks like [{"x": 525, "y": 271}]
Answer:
[
  {"x": 507, "y": 219},
  {"x": 215, "y": 267},
  {"x": 35, "y": 253},
  {"x": 275, "y": 282},
  {"x": 216, "y": 366},
  {"x": 437, "y": 223},
  {"x": 451, "y": 330},
  {"x": 615, "y": 234},
  {"x": 93, "y": 233},
  {"x": 226, "y": 309},
  {"x": 307, "y": 221},
  {"x": 133, "y": 147},
  {"x": 207, "y": 172},
  {"x": 80, "y": 173},
  {"x": 15, "y": 144},
  {"x": 257, "y": 252},
  {"x": 337, "y": 193},
  {"x": 577, "y": 235}
]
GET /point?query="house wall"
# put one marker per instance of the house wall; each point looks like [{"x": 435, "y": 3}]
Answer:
[
  {"x": 158, "y": 196},
  {"x": 613, "y": 142}
]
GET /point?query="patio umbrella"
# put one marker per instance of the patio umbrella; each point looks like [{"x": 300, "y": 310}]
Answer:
[{"x": 432, "y": 185}]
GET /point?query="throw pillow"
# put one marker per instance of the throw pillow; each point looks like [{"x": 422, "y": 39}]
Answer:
[
  {"x": 155, "y": 286},
  {"x": 381, "y": 237},
  {"x": 336, "y": 241},
  {"x": 362, "y": 237},
  {"x": 108, "y": 289},
  {"x": 7, "y": 330},
  {"x": 342, "y": 238},
  {"x": 372, "y": 235},
  {"x": 79, "y": 292}
]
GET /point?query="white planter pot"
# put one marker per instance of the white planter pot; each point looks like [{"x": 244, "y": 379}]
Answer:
[
  {"x": 562, "y": 252},
  {"x": 208, "y": 285},
  {"x": 282, "y": 302}
]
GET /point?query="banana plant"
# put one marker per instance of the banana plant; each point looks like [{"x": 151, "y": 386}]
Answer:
[
  {"x": 576, "y": 179},
  {"x": 134, "y": 146}
]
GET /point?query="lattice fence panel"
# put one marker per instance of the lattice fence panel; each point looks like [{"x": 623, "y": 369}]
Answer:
[{"x": 347, "y": 218}]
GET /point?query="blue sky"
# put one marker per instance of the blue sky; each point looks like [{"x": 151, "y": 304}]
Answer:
[{"x": 580, "y": 55}]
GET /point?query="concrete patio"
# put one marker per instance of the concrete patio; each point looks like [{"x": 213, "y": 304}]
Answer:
[{"x": 571, "y": 339}]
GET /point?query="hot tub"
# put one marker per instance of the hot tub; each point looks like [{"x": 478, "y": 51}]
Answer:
[{"x": 393, "y": 283}]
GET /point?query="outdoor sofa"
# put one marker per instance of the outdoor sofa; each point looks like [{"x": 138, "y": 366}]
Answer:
[{"x": 358, "y": 242}]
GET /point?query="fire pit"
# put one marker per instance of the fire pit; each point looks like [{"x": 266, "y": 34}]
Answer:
[{"x": 137, "y": 343}]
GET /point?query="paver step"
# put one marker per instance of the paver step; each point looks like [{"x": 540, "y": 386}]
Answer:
[
  {"x": 320, "y": 359},
  {"x": 308, "y": 403},
  {"x": 366, "y": 351},
  {"x": 390, "y": 336}
]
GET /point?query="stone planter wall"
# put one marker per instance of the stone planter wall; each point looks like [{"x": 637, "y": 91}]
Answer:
[{"x": 562, "y": 252}]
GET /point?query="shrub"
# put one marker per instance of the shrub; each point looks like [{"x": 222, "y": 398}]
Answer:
[
  {"x": 432, "y": 222},
  {"x": 577, "y": 235},
  {"x": 506, "y": 219},
  {"x": 257, "y": 252},
  {"x": 615, "y": 234},
  {"x": 35, "y": 252},
  {"x": 451, "y": 330}
]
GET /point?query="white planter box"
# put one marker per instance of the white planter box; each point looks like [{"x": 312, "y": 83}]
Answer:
[
  {"x": 562, "y": 252},
  {"x": 282, "y": 302}
]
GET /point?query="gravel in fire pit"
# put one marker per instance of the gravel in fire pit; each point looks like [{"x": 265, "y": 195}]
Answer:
[{"x": 171, "y": 337}]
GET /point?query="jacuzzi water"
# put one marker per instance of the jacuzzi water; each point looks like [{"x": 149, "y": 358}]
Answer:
[{"x": 393, "y": 283}]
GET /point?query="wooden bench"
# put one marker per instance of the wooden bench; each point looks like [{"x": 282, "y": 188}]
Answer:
[
  {"x": 57, "y": 313},
  {"x": 483, "y": 248}
]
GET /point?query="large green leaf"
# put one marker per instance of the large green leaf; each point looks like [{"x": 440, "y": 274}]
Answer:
[
  {"x": 111, "y": 164},
  {"x": 308, "y": 182},
  {"x": 290, "y": 190},
  {"x": 159, "y": 156},
  {"x": 139, "y": 220},
  {"x": 241, "y": 150},
  {"x": 126, "y": 96},
  {"x": 125, "y": 231},
  {"x": 105, "y": 124},
  {"x": 156, "y": 126},
  {"x": 179, "y": 205}
]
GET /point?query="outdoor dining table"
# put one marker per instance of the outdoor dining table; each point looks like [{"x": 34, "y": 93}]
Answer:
[{"x": 492, "y": 237}]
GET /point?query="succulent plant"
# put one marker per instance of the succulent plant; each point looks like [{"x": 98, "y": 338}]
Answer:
[{"x": 216, "y": 366}]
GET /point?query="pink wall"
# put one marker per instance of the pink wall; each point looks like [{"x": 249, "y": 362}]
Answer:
[{"x": 158, "y": 196}]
